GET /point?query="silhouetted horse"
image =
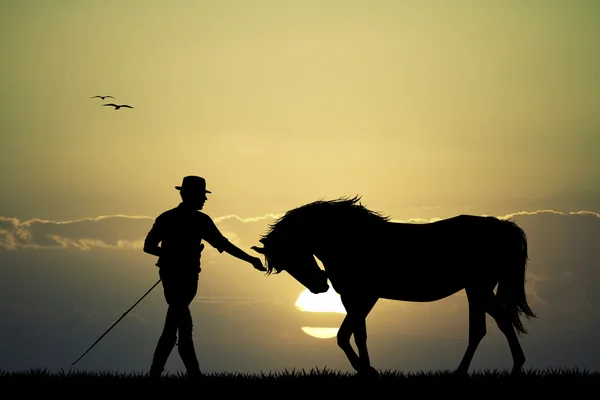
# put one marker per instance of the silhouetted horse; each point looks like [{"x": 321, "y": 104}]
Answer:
[{"x": 368, "y": 257}]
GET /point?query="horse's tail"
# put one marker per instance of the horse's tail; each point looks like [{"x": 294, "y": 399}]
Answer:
[{"x": 511, "y": 286}]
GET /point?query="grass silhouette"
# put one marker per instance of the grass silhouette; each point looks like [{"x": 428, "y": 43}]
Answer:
[{"x": 321, "y": 377}]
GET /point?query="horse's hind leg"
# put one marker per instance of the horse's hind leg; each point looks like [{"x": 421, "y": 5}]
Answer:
[
  {"x": 504, "y": 322},
  {"x": 357, "y": 310},
  {"x": 477, "y": 329}
]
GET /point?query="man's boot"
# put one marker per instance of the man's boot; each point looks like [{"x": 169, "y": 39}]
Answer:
[
  {"x": 188, "y": 356},
  {"x": 161, "y": 354}
]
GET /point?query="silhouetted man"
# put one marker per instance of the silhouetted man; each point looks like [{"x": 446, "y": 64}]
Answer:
[{"x": 180, "y": 232}]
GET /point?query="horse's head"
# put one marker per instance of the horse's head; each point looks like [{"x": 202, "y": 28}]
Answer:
[{"x": 298, "y": 262}]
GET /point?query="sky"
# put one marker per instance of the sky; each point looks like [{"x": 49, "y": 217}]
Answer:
[{"x": 426, "y": 109}]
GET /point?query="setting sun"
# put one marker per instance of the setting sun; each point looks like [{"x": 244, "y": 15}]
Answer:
[
  {"x": 329, "y": 301},
  {"x": 320, "y": 333}
]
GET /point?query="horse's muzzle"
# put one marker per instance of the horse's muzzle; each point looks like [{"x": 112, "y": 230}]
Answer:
[{"x": 320, "y": 289}]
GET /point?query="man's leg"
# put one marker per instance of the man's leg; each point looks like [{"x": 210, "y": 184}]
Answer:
[
  {"x": 168, "y": 338},
  {"x": 186, "y": 349},
  {"x": 167, "y": 341}
]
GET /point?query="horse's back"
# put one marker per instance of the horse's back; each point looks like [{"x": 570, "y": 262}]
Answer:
[
  {"x": 456, "y": 233},
  {"x": 430, "y": 261}
]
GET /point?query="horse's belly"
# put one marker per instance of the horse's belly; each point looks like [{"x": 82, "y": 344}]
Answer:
[
  {"x": 417, "y": 285},
  {"x": 418, "y": 295}
]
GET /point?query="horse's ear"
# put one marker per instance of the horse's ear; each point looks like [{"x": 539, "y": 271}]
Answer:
[{"x": 260, "y": 250}]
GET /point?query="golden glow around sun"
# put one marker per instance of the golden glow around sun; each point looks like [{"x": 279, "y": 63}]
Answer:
[{"x": 329, "y": 302}]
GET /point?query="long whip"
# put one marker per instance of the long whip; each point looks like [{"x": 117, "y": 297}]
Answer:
[{"x": 113, "y": 325}]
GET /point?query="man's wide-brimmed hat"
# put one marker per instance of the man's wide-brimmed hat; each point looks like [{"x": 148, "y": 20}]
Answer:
[{"x": 193, "y": 184}]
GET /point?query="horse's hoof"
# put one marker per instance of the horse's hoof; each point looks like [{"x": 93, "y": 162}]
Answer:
[
  {"x": 461, "y": 373},
  {"x": 368, "y": 373}
]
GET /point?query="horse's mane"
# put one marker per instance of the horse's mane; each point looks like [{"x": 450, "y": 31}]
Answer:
[
  {"x": 344, "y": 214},
  {"x": 344, "y": 210}
]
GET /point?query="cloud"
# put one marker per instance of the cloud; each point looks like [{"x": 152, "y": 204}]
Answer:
[
  {"x": 505, "y": 216},
  {"x": 110, "y": 231},
  {"x": 583, "y": 212},
  {"x": 128, "y": 231},
  {"x": 247, "y": 220}
]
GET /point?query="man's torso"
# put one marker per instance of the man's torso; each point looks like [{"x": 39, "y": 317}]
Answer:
[{"x": 182, "y": 231}]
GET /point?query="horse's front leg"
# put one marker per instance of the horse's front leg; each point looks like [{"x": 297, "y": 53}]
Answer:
[
  {"x": 343, "y": 340},
  {"x": 357, "y": 310}
]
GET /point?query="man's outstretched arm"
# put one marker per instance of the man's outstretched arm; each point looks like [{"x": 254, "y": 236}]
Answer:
[{"x": 235, "y": 251}]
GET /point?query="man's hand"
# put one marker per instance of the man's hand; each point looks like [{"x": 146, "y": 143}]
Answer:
[{"x": 257, "y": 264}]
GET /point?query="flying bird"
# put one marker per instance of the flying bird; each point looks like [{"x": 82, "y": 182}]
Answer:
[
  {"x": 101, "y": 97},
  {"x": 117, "y": 106}
]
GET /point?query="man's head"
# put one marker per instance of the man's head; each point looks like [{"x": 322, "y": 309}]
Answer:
[{"x": 193, "y": 191}]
